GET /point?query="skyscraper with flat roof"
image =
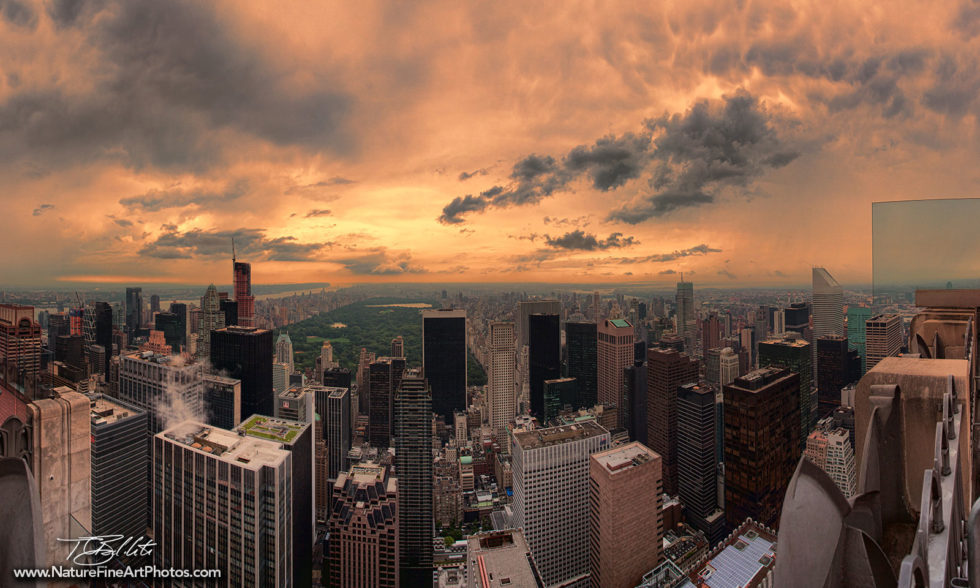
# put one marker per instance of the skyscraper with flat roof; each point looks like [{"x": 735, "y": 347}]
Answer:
[
  {"x": 544, "y": 357},
  {"x": 444, "y": 359},
  {"x": 697, "y": 460},
  {"x": 20, "y": 340},
  {"x": 857, "y": 316},
  {"x": 581, "y": 342},
  {"x": 245, "y": 353},
  {"x": 551, "y": 496},
  {"x": 686, "y": 327},
  {"x": 385, "y": 375},
  {"x": 625, "y": 542},
  {"x": 134, "y": 312},
  {"x": 793, "y": 353},
  {"x": 614, "y": 354},
  {"x": 501, "y": 391},
  {"x": 413, "y": 455},
  {"x": 526, "y": 308},
  {"x": 762, "y": 443},
  {"x": 667, "y": 370},
  {"x": 884, "y": 338},
  {"x": 120, "y": 463}
]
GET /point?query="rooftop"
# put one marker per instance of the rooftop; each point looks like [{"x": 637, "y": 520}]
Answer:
[
  {"x": 245, "y": 452},
  {"x": 106, "y": 411},
  {"x": 499, "y": 558},
  {"x": 761, "y": 377},
  {"x": 620, "y": 323},
  {"x": 625, "y": 457},
  {"x": 221, "y": 379},
  {"x": 273, "y": 429},
  {"x": 790, "y": 341},
  {"x": 748, "y": 556},
  {"x": 556, "y": 435}
]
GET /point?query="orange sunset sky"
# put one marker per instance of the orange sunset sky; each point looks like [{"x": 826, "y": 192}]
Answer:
[{"x": 739, "y": 142}]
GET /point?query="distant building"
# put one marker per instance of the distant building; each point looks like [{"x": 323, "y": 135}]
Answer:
[
  {"x": 385, "y": 375},
  {"x": 212, "y": 319},
  {"x": 134, "y": 312},
  {"x": 686, "y": 326},
  {"x": 667, "y": 370},
  {"x": 363, "y": 528},
  {"x": 284, "y": 351},
  {"x": 243, "y": 293},
  {"x": 728, "y": 366},
  {"x": 444, "y": 359},
  {"x": 857, "y": 316},
  {"x": 398, "y": 346},
  {"x": 884, "y": 338},
  {"x": 762, "y": 443},
  {"x": 614, "y": 354},
  {"x": 624, "y": 541},
  {"x": 551, "y": 496}
]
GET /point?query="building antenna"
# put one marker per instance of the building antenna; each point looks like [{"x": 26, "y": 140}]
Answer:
[{"x": 233, "y": 250}]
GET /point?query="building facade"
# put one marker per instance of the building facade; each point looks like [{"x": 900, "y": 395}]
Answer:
[
  {"x": 364, "y": 528},
  {"x": 444, "y": 358},
  {"x": 613, "y": 355},
  {"x": 667, "y": 370}
]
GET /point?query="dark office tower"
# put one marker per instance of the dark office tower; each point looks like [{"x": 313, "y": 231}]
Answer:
[
  {"x": 223, "y": 401},
  {"x": 57, "y": 325},
  {"x": 798, "y": 317},
  {"x": 794, "y": 353},
  {"x": 580, "y": 341},
  {"x": 559, "y": 394},
  {"x": 134, "y": 312},
  {"x": 337, "y": 427},
  {"x": 172, "y": 328},
  {"x": 674, "y": 342},
  {"x": 95, "y": 356},
  {"x": 246, "y": 354},
  {"x": 398, "y": 346},
  {"x": 103, "y": 331},
  {"x": 635, "y": 380},
  {"x": 242, "y": 281},
  {"x": 385, "y": 374},
  {"x": 837, "y": 366},
  {"x": 667, "y": 370},
  {"x": 686, "y": 326},
  {"x": 154, "y": 303},
  {"x": 543, "y": 357},
  {"x": 710, "y": 333},
  {"x": 697, "y": 464},
  {"x": 762, "y": 443},
  {"x": 120, "y": 467},
  {"x": 230, "y": 309},
  {"x": 413, "y": 462},
  {"x": 526, "y": 309},
  {"x": 180, "y": 309},
  {"x": 337, "y": 377},
  {"x": 444, "y": 359},
  {"x": 69, "y": 349}
]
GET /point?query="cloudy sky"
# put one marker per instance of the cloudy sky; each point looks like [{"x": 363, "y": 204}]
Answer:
[{"x": 739, "y": 142}]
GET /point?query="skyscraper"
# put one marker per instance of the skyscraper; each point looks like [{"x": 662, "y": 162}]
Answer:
[
  {"x": 284, "y": 351},
  {"x": 551, "y": 496},
  {"x": 444, "y": 359},
  {"x": 544, "y": 357},
  {"x": 413, "y": 454},
  {"x": 762, "y": 443},
  {"x": 857, "y": 316},
  {"x": 154, "y": 303},
  {"x": 558, "y": 394},
  {"x": 501, "y": 391},
  {"x": 614, "y": 353},
  {"x": 828, "y": 310},
  {"x": 710, "y": 333},
  {"x": 793, "y": 353},
  {"x": 529, "y": 307},
  {"x": 884, "y": 338},
  {"x": 398, "y": 346},
  {"x": 172, "y": 328},
  {"x": 364, "y": 539},
  {"x": 163, "y": 385},
  {"x": 581, "y": 342},
  {"x": 697, "y": 463},
  {"x": 830, "y": 449},
  {"x": 667, "y": 370},
  {"x": 212, "y": 319},
  {"x": 385, "y": 375},
  {"x": 222, "y": 401},
  {"x": 250, "y": 535},
  {"x": 686, "y": 326},
  {"x": 134, "y": 312},
  {"x": 728, "y": 368},
  {"x": 837, "y": 366},
  {"x": 246, "y": 354},
  {"x": 337, "y": 428},
  {"x": 242, "y": 280},
  {"x": 625, "y": 541},
  {"x": 20, "y": 340}
]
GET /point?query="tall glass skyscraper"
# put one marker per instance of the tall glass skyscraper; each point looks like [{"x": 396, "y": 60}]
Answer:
[
  {"x": 444, "y": 359},
  {"x": 544, "y": 357},
  {"x": 413, "y": 455},
  {"x": 857, "y": 317},
  {"x": 581, "y": 343},
  {"x": 246, "y": 354}
]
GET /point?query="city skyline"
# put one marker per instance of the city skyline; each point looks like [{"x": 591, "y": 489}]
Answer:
[{"x": 526, "y": 145}]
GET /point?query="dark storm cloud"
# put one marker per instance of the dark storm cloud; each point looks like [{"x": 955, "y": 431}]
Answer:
[
  {"x": 582, "y": 241},
  {"x": 727, "y": 274},
  {"x": 122, "y": 222},
  {"x": 173, "y": 244},
  {"x": 156, "y": 200},
  {"x": 688, "y": 156},
  {"x": 65, "y": 13},
  {"x": 380, "y": 262},
  {"x": 19, "y": 13},
  {"x": 666, "y": 272},
  {"x": 42, "y": 209},
  {"x": 463, "y": 176},
  {"x": 171, "y": 75},
  {"x": 697, "y": 250},
  {"x": 317, "y": 212}
]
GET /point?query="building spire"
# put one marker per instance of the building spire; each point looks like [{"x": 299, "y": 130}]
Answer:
[{"x": 233, "y": 250}]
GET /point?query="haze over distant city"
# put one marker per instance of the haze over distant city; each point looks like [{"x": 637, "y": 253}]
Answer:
[{"x": 444, "y": 142}]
